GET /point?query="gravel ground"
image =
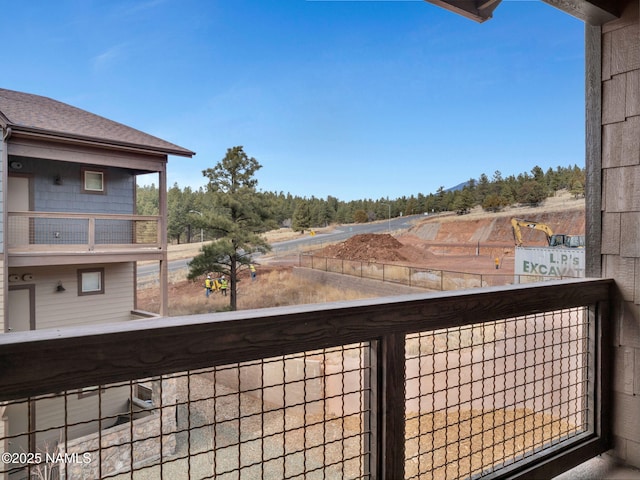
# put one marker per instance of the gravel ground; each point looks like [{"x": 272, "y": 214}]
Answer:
[
  {"x": 266, "y": 443},
  {"x": 256, "y": 440}
]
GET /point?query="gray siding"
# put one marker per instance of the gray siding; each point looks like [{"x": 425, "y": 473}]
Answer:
[
  {"x": 68, "y": 196},
  {"x": 620, "y": 240},
  {"x": 50, "y": 414},
  {"x": 3, "y": 154},
  {"x": 2, "y": 295},
  {"x": 57, "y": 309}
]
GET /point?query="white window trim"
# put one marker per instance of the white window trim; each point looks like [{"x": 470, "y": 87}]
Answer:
[
  {"x": 93, "y": 174},
  {"x": 81, "y": 283}
]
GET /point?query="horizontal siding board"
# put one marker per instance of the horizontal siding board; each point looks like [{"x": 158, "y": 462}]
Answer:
[
  {"x": 55, "y": 309},
  {"x": 629, "y": 330},
  {"x": 612, "y": 144},
  {"x": 623, "y": 270},
  {"x": 50, "y": 413},
  {"x": 625, "y": 53},
  {"x": 630, "y": 142},
  {"x": 633, "y": 93},
  {"x": 630, "y": 234},
  {"x": 621, "y": 192},
  {"x": 613, "y": 99},
  {"x": 626, "y": 420},
  {"x": 610, "y": 233},
  {"x": 623, "y": 380}
]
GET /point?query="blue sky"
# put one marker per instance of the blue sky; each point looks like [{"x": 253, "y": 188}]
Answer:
[{"x": 355, "y": 99}]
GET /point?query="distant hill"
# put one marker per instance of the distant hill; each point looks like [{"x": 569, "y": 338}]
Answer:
[
  {"x": 562, "y": 213},
  {"x": 460, "y": 186}
]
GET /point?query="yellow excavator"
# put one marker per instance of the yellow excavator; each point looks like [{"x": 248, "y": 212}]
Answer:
[{"x": 553, "y": 240}]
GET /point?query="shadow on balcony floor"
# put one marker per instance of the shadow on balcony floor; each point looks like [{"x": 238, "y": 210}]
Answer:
[{"x": 599, "y": 468}]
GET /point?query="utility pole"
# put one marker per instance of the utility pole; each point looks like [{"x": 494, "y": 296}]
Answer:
[
  {"x": 201, "y": 232},
  {"x": 388, "y": 205}
]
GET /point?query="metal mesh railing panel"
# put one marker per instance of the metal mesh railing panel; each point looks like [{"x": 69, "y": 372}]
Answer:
[
  {"x": 26, "y": 231},
  {"x": 299, "y": 416},
  {"x": 482, "y": 397}
]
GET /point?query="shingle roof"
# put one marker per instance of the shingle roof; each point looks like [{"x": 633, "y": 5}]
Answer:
[{"x": 34, "y": 113}]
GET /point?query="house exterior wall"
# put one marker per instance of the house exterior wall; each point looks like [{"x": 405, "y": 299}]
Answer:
[
  {"x": 67, "y": 196},
  {"x": 54, "y": 165},
  {"x": 3, "y": 269},
  {"x": 143, "y": 432},
  {"x": 50, "y": 413},
  {"x": 3, "y": 157},
  {"x": 56, "y": 309},
  {"x": 3, "y": 289},
  {"x": 620, "y": 40}
]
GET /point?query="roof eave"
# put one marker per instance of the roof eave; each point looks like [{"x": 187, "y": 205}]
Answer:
[
  {"x": 477, "y": 10},
  {"x": 593, "y": 12},
  {"x": 101, "y": 142}
]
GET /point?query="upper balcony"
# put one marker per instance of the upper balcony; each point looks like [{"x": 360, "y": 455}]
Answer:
[
  {"x": 500, "y": 382},
  {"x": 46, "y": 238}
]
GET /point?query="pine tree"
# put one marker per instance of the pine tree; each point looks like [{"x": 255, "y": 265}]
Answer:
[
  {"x": 237, "y": 215},
  {"x": 301, "y": 220}
]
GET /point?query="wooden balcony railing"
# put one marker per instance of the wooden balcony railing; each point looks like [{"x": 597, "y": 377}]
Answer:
[
  {"x": 485, "y": 383},
  {"x": 40, "y": 231}
]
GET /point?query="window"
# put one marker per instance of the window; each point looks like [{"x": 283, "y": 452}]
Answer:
[
  {"x": 88, "y": 391},
  {"x": 91, "y": 281},
  {"x": 144, "y": 392},
  {"x": 93, "y": 181}
]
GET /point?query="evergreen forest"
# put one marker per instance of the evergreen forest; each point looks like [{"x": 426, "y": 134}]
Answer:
[{"x": 303, "y": 214}]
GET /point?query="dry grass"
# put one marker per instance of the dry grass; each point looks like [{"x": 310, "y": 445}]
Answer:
[
  {"x": 284, "y": 234},
  {"x": 562, "y": 201},
  {"x": 280, "y": 288},
  {"x": 460, "y": 444},
  {"x": 272, "y": 288},
  {"x": 188, "y": 250}
]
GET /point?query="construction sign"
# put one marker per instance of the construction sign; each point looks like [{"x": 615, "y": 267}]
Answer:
[{"x": 550, "y": 262}]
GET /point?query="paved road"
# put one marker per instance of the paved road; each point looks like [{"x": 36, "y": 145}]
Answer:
[
  {"x": 152, "y": 269},
  {"x": 344, "y": 232},
  {"x": 341, "y": 233}
]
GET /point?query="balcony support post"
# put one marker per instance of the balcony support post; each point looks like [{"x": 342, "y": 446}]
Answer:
[
  {"x": 391, "y": 363},
  {"x": 91, "y": 240},
  {"x": 162, "y": 232}
]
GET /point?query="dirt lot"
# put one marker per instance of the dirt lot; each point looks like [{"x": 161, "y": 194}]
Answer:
[
  {"x": 411, "y": 250},
  {"x": 469, "y": 243}
]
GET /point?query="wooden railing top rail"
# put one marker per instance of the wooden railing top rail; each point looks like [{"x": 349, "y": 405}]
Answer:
[
  {"x": 52, "y": 360},
  {"x": 77, "y": 215}
]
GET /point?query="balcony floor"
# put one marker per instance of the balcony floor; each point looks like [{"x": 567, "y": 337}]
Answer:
[{"x": 599, "y": 468}]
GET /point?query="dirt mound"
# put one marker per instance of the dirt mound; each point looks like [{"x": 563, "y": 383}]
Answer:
[
  {"x": 462, "y": 244},
  {"x": 368, "y": 247},
  {"x": 496, "y": 229}
]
